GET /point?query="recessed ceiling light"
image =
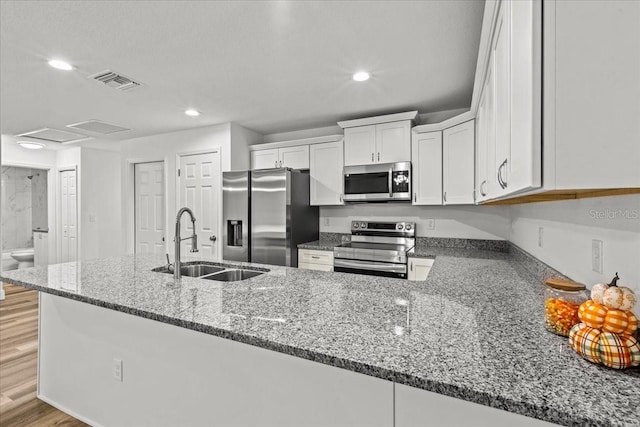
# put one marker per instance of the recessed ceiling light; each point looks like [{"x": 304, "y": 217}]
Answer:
[
  {"x": 191, "y": 112},
  {"x": 361, "y": 76},
  {"x": 31, "y": 145},
  {"x": 60, "y": 65}
]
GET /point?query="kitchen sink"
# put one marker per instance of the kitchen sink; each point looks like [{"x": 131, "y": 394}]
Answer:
[
  {"x": 208, "y": 271},
  {"x": 233, "y": 275}
]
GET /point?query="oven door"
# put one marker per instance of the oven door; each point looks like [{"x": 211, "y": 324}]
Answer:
[
  {"x": 376, "y": 183},
  {"x": 373, "y": 268}
]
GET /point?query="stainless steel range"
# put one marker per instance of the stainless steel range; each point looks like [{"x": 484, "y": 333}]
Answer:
[{"x": 376, "y": 248}]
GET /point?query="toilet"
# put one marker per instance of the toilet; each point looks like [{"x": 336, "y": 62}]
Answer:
[{"x": 24, "y": 257}]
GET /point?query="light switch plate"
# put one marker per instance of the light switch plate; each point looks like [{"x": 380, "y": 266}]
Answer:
[
  {"x": 117, "y": 369},
  {"x": 430, "y": 224}
]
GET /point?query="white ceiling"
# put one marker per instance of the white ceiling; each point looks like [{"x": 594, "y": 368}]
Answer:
[{"x": 269, "y": 66}]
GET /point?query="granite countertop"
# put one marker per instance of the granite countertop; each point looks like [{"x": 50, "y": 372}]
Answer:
[{"x": 473, "y": 330}]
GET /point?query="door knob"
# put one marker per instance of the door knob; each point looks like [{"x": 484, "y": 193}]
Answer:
[{"x": 213, "y": 238}]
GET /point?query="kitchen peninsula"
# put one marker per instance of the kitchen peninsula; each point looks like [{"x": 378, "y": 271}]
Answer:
[{"x": 122, "y": 345}]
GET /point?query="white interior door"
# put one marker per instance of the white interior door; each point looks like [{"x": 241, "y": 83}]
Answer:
[
  {"x": 200, "y": 179},
  {"x": 68, "y": 216},
  {"x": 149, "y": 207}
]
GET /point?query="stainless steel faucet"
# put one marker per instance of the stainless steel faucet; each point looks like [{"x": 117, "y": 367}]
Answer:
[{"x": 177, "y": 240}]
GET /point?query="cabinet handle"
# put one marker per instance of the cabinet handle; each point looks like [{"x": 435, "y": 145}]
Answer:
[
  {"x": 505, "y": 168},
  {"x": 315, "y": 257},
  {"x": 445, "y": 197},
  {"x": 482, "y": 188},
  {"x": 276, "y": 164},
  {"x": 372, "y": 157},
  {"x": 411, "y": 266},
  {"x": 378, "y": 156},
  {"x": 340, "y": 197},
  {"x": 501, "y": 181},
  {"x": 414, "y": 197}
]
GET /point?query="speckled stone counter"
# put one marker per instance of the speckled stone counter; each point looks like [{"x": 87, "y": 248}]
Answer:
[
  {"x": 473, "y": 330},
  {"x": 327, "y": 242}
]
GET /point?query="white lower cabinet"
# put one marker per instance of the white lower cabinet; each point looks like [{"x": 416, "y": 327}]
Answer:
[
  {"x": 417, "y": 407},
  {"x": 325, "y": 173},
  {"x": 310, "y": 259},
  {"x": 419, "y": 268},
  {"x": 458, "y": 164}
]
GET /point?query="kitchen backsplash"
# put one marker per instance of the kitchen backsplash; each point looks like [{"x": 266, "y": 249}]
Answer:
[{"x": 458, "y": 222}]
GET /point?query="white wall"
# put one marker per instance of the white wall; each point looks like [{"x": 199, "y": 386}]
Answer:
[
  {"x": 568, "y": 229},
  {"x": 241, "y": 139},
  {"x": 468, "y": 222},
  {"x": 101, "y": 210}
]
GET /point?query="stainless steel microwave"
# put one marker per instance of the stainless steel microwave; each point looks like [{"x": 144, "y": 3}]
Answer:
[{"x": 382, "y": 182}]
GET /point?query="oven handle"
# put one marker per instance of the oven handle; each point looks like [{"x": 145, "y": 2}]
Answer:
[
  {"x": 391, "y": 183},
  {"x": 374, "y": 266}
]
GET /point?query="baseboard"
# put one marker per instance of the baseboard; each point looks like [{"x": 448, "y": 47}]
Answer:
[{"x": 67, "y": 411}]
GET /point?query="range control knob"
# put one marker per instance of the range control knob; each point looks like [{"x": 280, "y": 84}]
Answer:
[
  {"x": 363, "y": 225},
  {"x": 399, "y": 226},
  {"x": 408, "y": 227},
  {"x": 356, "y": 225}
]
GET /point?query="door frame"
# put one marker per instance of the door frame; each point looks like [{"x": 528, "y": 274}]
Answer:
[
  {"x": 212, "y": 150},
  {"x": 58, "y": 225},
  {"x": 129, "y": 207}
]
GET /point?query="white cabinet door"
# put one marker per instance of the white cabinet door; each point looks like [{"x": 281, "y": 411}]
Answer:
[
  {"x": 502, "y": 80},
  {"x": 525, "y": 151},
  {"x": 458, "y": 164},
  {"x": 325, "y": 171},
  {"x": 294, "y": 157},
  {"x": 264, "y": 159},
  {"x": 419, "y": 268},
  {"x": 393, "y": 142},
  {"x": 426, "y": 159},
  {"x": 359, "y": 145},
  {"x": 485, "y": 140}
]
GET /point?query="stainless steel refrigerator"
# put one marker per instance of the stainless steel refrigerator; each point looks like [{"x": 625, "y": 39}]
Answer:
[{"x": 266, "y": 214}]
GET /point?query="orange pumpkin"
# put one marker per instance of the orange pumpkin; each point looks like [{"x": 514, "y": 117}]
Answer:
[{"x": 613, "y": 320}]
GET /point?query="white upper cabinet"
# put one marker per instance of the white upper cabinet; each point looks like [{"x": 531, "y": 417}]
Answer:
[
  {"x": 508, "y": 147},
  {"x": 264, "y": 159},
  {"x": 393, "y": 142},
  {"x": 360, "y": 145},
  {"x": 381, "y": 139},
  {"x": 485, "y": 137},
  {"x": 383, "y": 143},
  {"x": 296, "y": 157},
  {"x": 426, "y": 159},
  {"x": 325, "y": 171},
  {"x": 458, "y": 164}
]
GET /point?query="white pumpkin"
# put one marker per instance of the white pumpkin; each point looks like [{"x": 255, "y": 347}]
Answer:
[
  {"x": 597, "y": 292},
  {"x": 628, "y": 299},
  {"x": 613, "y": 297}
]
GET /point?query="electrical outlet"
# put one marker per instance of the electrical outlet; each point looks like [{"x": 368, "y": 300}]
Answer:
[
  {"x": 596, "y": 256},
  {"x": 540, "y": 236},
  {"x": 117, "y": 369},
  {"x": 326, "y": 220},
  {"x": 430, "y": 224}
]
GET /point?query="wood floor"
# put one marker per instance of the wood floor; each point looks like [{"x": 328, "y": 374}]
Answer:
[{"x": 18, "y": 358}]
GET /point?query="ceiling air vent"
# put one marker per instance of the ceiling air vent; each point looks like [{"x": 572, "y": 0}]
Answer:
[
  {"x": 115, "y": 80},
  {"x": 53, "y": 135},
  {"x": 97, "y": 126}
]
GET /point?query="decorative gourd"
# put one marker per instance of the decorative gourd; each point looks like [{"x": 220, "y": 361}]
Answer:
[
  {"x": 613, "y": 296},
  {"x": 613, "y": 350},
  {"x": 599, "y": 316},
  {"x": 605, "y": 335}
]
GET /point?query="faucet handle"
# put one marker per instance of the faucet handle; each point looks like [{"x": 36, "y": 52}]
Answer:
[{"x": 170, "y": 266}]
